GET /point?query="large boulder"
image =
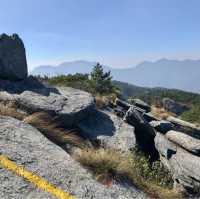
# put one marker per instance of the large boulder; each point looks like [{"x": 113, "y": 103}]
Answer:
[
  {"x": 110, "y": 130},
  {"x": 141, "y": 104},
  {"x": 13, "y": 64},
  {"x": 184, "y": 166},
  {"x": 27, "y": 147},
  {"x": 144, "y": 132},
  {"x": 186, "y": 127},
  {"x": 185, "y": 141},
  {"x": 70, "y": 105},
  {"x": 161, "y": 126},
  {"x": 174, "y": 107}
]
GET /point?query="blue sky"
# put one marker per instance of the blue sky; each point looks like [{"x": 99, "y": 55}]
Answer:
[{"x": 119, "y": 33}]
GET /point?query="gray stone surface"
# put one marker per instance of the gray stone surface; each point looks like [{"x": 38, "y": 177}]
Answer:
[
  {"x": 161, "y": 126},
  {"x": 185, "y": 141},
  {"x": 13, "y": 64},
  {"x": 186, "y": 127},
  {"x": 134, "y": 117},
  {"x": 27, "y": 147},
  {"x": 110, "y": 130},
  {"x": 184, "y": 166},
  {"x": 69, "y": 104},
  {"x": 141, "y": 104}
]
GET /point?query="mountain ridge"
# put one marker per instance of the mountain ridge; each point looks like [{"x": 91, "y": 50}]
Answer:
[{"x": 176, "y": 74}]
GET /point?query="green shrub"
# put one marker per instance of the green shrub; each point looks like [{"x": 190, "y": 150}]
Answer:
[{"x": 101, "y": 81}]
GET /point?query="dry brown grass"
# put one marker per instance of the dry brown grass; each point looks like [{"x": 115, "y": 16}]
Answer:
[
  {"x": 161, "y": 113},
  {"x": 45, "y": 123},
  {"x": 48, "y": 125},
  {"x": 108, "y": 165},
  {"x": 103, "y": 101},
  {"x": 10, "y": 109}
]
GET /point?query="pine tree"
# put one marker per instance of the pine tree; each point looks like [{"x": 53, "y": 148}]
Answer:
[{"x": 101, "y": 82}]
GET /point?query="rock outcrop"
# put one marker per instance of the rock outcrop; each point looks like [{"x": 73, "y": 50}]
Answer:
[
  {"x": 186, "y": 127},
  {"x": 174, "y": 107},
  {"x": 162, "y": 126},
  {"x": 110, "y": 130},
  {"x": 185, "y": 141},
  {"x": 27, "y": 147},
  {"x": 141, "y": 104},
  {"x": 13, "y": 64},
  {"x": 177, "y": 143},
  {"x": 180, "y": 152},
  {"x": 69, "y": 104},
  {"x": 184, "y": 166}
]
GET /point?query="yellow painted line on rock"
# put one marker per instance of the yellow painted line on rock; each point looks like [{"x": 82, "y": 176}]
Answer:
[{"x": 34, "y": 179}]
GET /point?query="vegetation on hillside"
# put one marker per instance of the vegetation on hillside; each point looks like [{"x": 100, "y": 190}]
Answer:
[
  {"x": 97, "y": 82},
  {"x": 193, "y": 115}
]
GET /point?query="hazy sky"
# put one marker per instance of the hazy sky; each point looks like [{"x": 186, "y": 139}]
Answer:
[{"x": 119, "y": 33}]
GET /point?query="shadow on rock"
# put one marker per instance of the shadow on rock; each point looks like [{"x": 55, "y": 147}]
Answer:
[
  {"x": 96, "y": 125},
  {"x": 28, "y": 84}
]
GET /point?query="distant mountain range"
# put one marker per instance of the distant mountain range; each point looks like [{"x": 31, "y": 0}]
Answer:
[{"x": 184, "y": 75}]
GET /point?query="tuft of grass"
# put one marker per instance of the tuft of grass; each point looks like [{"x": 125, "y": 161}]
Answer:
[
  {"x": 161, "y": 113},
  {"x": 45, "y": 123},
  {"x": 107, "y": 165},
  {"x": 50, "y": 127},
  {"x": 103, "y": 101},
  {"x": 10, "y": 109}
]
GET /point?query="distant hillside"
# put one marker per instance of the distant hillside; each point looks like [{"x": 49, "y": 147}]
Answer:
[
  {"x": 165, "y": 73},
  {"x": 150, "y": 94}
]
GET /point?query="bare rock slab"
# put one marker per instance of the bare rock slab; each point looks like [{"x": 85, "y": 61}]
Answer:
[
  {"x": 185, "y": 141},
  {"x": 186, "y": 127},
  {"x": 71, "y": 105},
  {"x": 161, "y": 126},
  {"x": 13, "y": 65},
  {"x": 27, "y": 147},
  {"x": 184, "y": 166},
  {"x": 110, "y": 130}
]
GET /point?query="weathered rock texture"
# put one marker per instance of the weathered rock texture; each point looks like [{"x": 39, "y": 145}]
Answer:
[
  {"x": 162, "y": 126},
  {"x": 186, "y": 127},
  {"x": 69, "y": 104},
  {"x": 185, "y": 141},
  {"x": 141, "y": 104},
  {"x": 139, "y": 118},
  {"x": 175, "y": 141},
  {"x": 13, "y": 64},
  {"x": 27, "y": 147},
  {"x": 178, "y": 143},
  {"x": 110, "y": 130},
  {"x": 184, "y": 165}
]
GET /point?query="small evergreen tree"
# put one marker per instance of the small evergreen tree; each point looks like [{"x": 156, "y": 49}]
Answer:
[{"x": 101, "y": 82}]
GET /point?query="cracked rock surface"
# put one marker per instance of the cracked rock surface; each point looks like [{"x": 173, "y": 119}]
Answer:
[
  {"x": 69, "y": 104},
  {"x": 110, "y": 130},
  {"x": 27, "y": 147}
]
